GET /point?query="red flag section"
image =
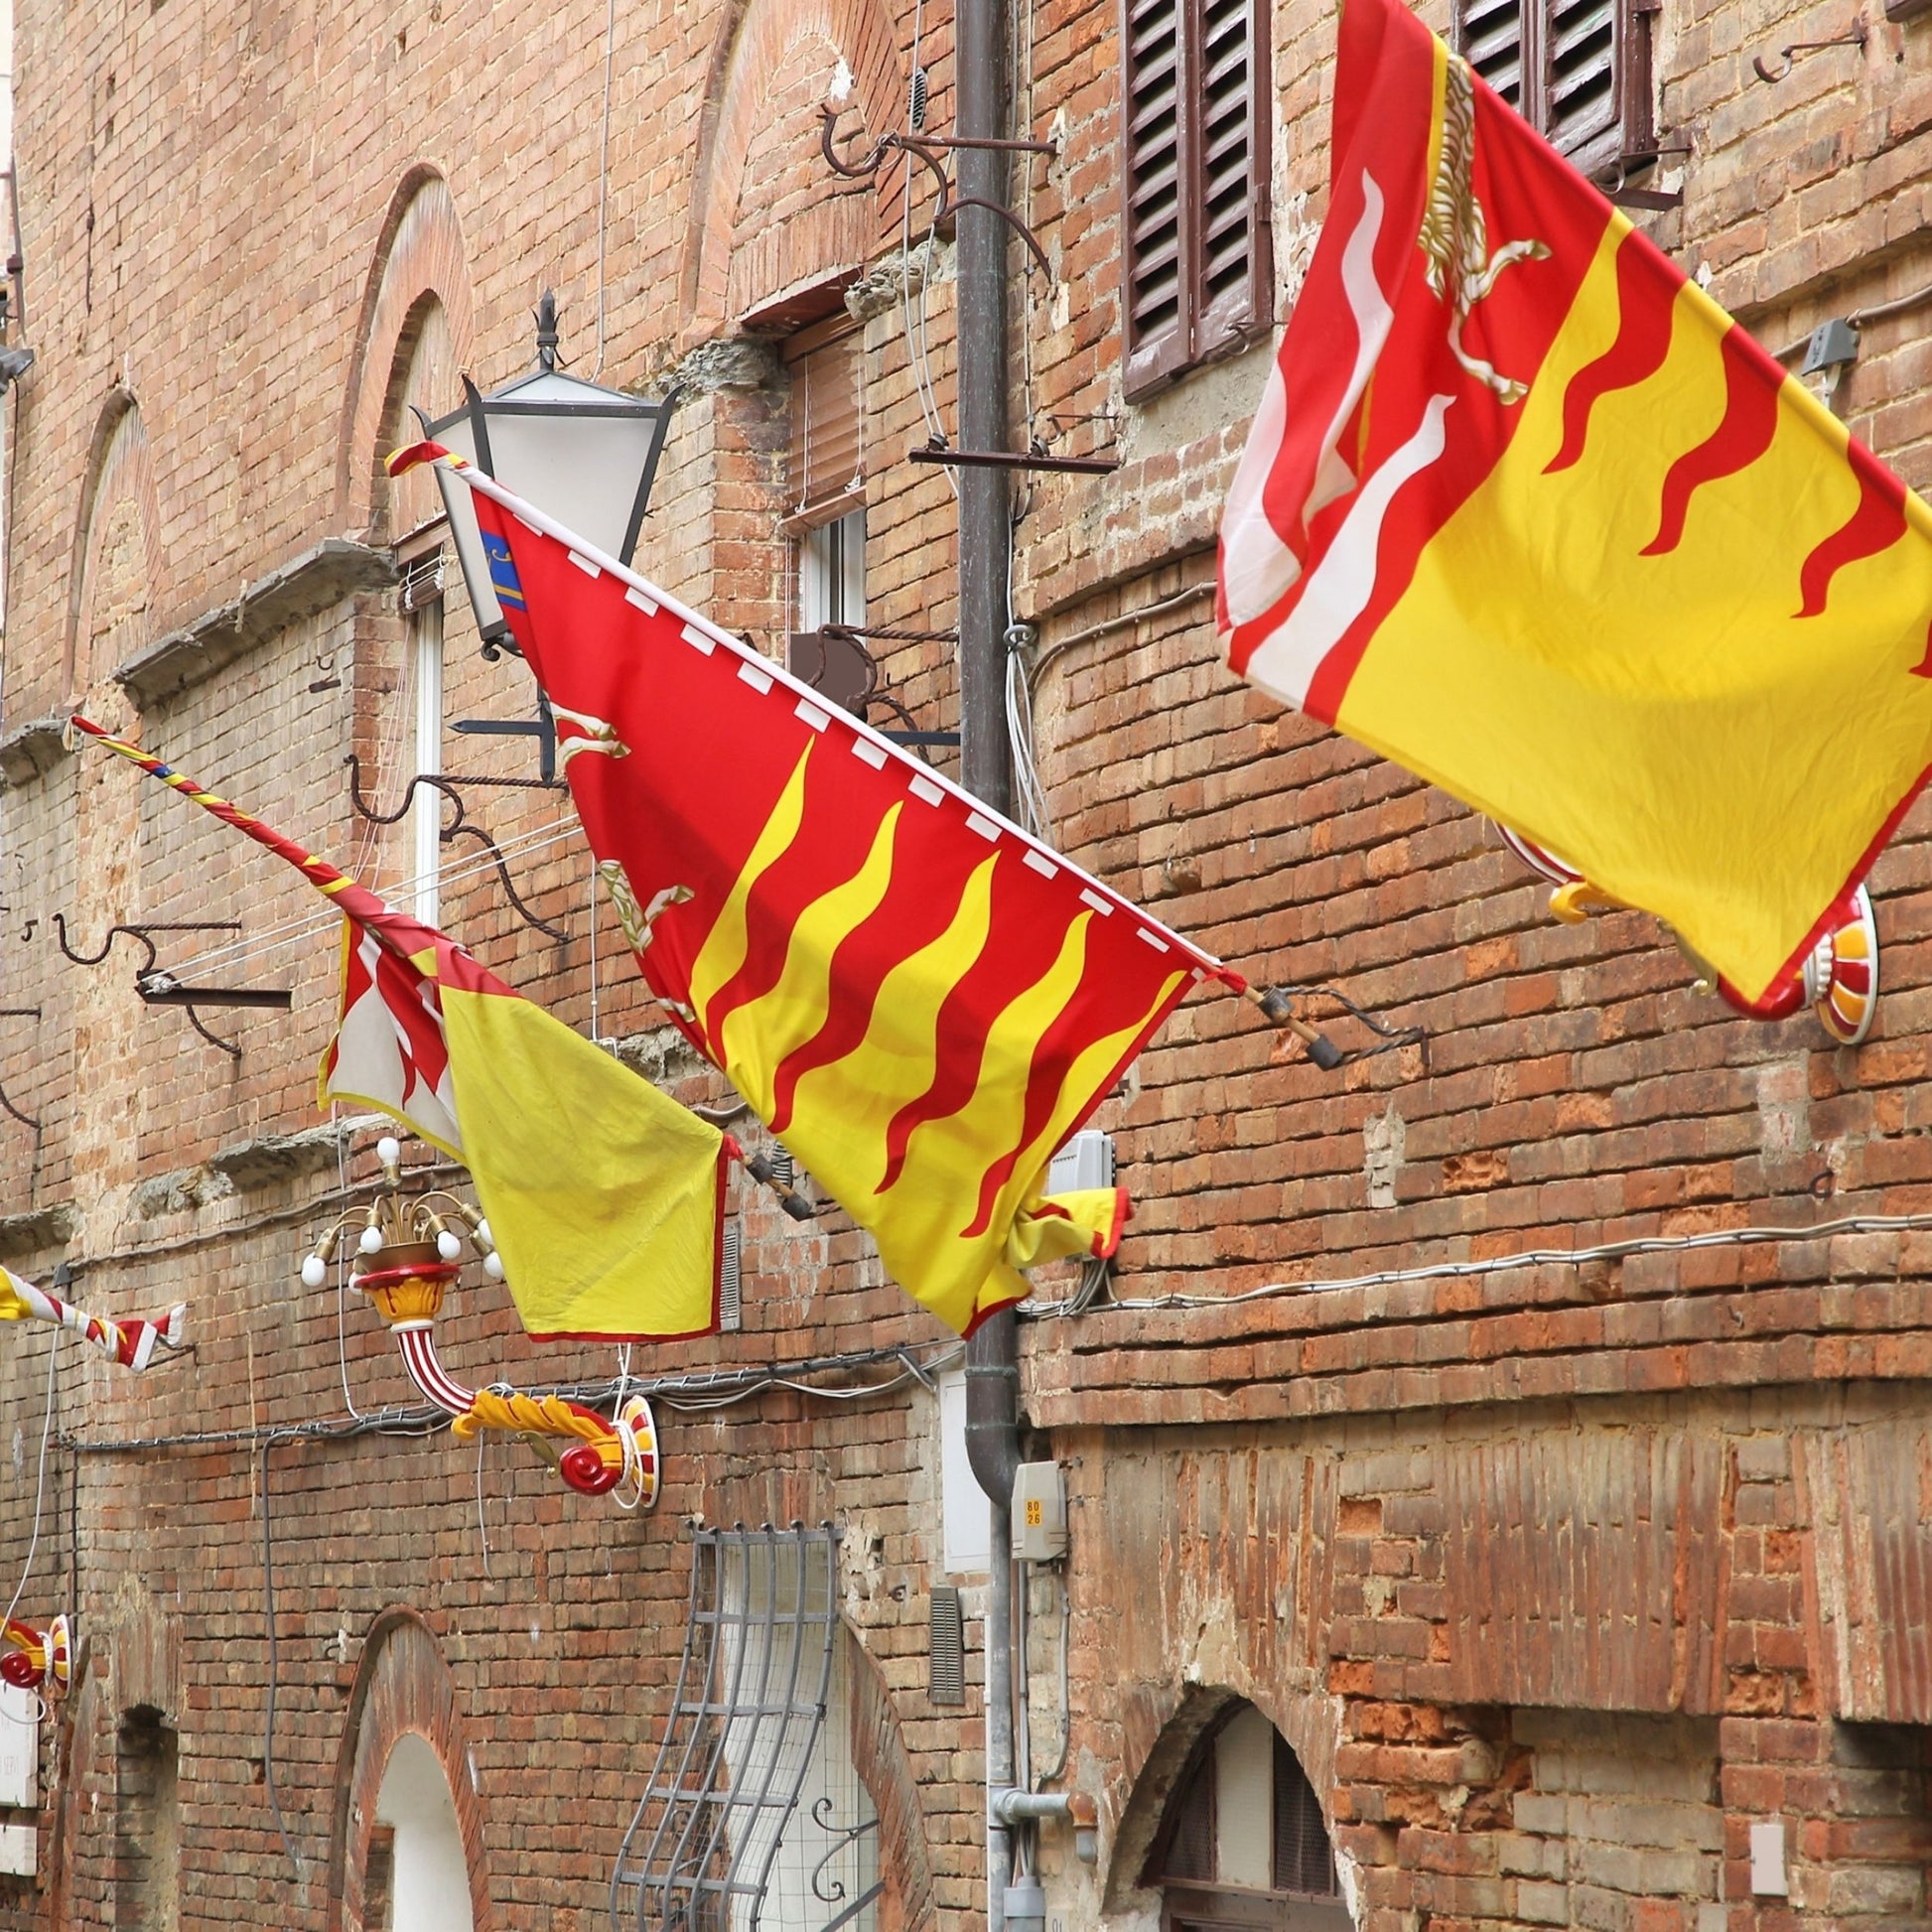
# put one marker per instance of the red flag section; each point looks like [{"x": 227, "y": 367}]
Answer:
[{"x": 920, "y": 1000}]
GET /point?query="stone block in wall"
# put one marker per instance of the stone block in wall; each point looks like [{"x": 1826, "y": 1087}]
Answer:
[{"x": 334, "y": 569}]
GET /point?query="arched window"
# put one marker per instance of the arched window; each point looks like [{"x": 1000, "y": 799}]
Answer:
[{"x": 1243, "y": 1843}]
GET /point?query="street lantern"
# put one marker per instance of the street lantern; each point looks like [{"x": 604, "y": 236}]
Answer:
[{"x": 584, "y": 454}]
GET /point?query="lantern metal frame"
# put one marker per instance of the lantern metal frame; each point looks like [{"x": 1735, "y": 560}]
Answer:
[{"x": 590, "y": 402}]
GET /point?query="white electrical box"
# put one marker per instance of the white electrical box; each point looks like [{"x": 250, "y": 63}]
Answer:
[
  {"x": 20, "y": 1748},
  {"x": 1085, "y": 1161},
  {"x": 967, "y": 1528},
  {"x": 17, "y": 1845},
  {"x": 1039, "y": 1512},
  {"x": 1768, "y": 1880}
]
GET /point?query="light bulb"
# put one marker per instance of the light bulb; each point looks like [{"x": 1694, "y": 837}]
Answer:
[
  {"x": 315, "y": 1271},
  {"x": 448, "y": 1245},
  {"x": 494, "y": 1265},
  {"x": 482, "y": 1234},
  {"x": 388, "y": 1150},
  {"x": 371, "y": 1241}
]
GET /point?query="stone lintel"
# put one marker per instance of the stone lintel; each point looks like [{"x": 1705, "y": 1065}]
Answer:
[{"x": 336, "y": 568}]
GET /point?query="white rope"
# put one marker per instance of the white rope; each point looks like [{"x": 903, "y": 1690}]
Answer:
[
  {"x": 301, "y": 929},
  {"x": 39, "y": 1479}
]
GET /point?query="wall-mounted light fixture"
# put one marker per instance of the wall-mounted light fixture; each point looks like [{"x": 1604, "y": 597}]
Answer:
[{"x": 585, "y": 454}]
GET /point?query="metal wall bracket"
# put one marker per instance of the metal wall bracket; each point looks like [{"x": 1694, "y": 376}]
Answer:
[
  {"x": 160, "y": 988},
  {"x": 6, "y": 1105},
  {"x": 460, "y": 825}
]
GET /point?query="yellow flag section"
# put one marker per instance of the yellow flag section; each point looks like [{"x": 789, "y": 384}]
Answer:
[
  {"x": 605, "y": 1197},
  {"x": 1527, "y": 513},
  {"x": 1738, "y": 755}
]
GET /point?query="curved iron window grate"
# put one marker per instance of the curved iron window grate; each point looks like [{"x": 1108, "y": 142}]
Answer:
[{"x": 745, "y": 1719}]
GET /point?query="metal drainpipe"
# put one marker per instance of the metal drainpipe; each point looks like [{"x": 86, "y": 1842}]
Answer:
[{"x": 986, "y": 770}]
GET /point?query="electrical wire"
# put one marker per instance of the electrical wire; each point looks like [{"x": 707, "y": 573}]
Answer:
[
  {"x": 1642, "y": 1244},
  {"x": 604, "y": 179},
  {"x": 694, "y": 1392},
  {"x": 274, "y": 1671},
  {"x": 483, "y": 1526}
]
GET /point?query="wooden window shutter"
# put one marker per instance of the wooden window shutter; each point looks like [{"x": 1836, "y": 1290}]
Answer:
[
  {"x": 1304, "y": 1860},
  {"x": 1489, "y": 36},
  {"x": 1580, "y": 76},
  {"x": 1577, "y": 70},
  {"x": 1197, "y": 274},
  {"x": 827, "y": 448},
  {"x": 1154, "y": 306},
  {"x": 1233, "y": 270}
]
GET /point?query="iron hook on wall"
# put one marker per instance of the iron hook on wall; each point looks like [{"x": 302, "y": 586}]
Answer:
[
  {"x": 6, "y": 1105},
  {"x": 158, "y": 987},
  {"x": 458, "y": 826},
  {"x": 1857, "y": 36}
]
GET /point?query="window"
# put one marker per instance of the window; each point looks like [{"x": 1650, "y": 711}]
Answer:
[
  {"x": 1198, "y": 275},
  {"x": 1243, "y": 1844},
  {"x": 827, "y": 492},
  {"x": 422, "y": 606},
  {"x": 1577, "y": 70}
]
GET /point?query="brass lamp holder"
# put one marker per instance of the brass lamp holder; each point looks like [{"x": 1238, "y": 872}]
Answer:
[{"x": 408, "y": 1254}]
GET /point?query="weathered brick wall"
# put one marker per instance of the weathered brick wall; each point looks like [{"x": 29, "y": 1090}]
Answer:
[{"x": 1557, "y": 1579}]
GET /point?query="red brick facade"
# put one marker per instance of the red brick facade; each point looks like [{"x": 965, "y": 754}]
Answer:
[{"x": 1558, "y": 1577}]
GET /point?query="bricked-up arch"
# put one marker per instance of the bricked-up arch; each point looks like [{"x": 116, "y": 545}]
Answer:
[
  {"x": 117, "y": 550},
  {"x": 419, "y": 256},
  {"x": 772, "y": 63},
  {"x": 402, "y": 1687},
  {"x": 878, "y": 1756}
]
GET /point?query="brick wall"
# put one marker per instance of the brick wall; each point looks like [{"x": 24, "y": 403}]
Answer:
[{"x": 1557, "y": 1579}]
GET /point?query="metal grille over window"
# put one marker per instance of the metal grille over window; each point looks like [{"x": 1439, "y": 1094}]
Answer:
[
  {"x": 747, "y": 1768},
  {"x": 1195, "y": 152}
]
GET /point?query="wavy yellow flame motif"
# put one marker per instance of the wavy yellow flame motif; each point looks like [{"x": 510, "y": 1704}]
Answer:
[{"x": 920, "y": 1000}]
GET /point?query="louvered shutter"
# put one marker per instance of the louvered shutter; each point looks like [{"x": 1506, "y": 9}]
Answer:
[
  {"x": 1577, "y": 70},
  {"x": 1579, "y": 79},
  {"x": 827, "y": 460},
  {"x": 1489, "y": 36},
  {"x": 1303, "y": 1861},
  {"x": 1155, "y": 310},
  {"x": 1232, "y": 266}
]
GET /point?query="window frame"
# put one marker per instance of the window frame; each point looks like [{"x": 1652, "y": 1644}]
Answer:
[{"x": 1206, "y": 328}]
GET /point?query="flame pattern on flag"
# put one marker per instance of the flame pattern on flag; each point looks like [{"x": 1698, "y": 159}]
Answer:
[
  {"x": 922, "y": 1001},
  {"x": 1525, "y": 512}
]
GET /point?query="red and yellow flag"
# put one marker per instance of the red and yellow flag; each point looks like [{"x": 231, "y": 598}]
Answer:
[
  {"x": 920, "y": 1001},
  {"x": 1524, "y": 511},
  {"x": 605, "y": 1197}
]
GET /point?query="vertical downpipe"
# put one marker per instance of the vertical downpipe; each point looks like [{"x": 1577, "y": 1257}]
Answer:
[{"x": 986, "y": 770}]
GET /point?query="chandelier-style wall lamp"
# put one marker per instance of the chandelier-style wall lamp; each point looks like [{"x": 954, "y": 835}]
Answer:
[{"x": 407, "y": 1254}]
